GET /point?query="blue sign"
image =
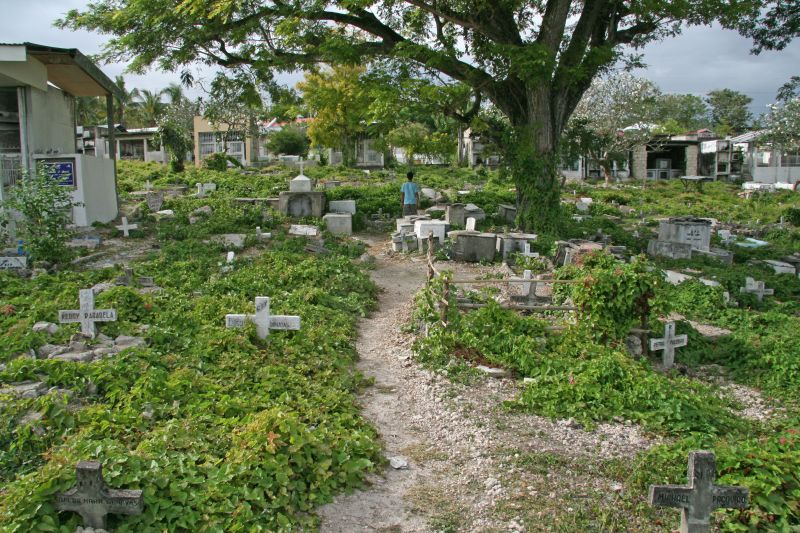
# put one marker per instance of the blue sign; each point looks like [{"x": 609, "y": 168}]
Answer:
[{"x": 62, "y": 171}]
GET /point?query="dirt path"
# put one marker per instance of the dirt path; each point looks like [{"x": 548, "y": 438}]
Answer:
[{"x": 472, "y": 465}]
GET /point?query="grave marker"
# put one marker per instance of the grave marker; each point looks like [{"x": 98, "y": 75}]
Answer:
[
  {"x": 260, "y": 235},
  {"x": 527, "y": 251},
  {"x": 263, "y": 320},
  {"x": 87, "y": 315},
  {"x": 7, "y": 263},
  {"x": 154, "y": 200},
  {"x": 701, "y": 497},
  {"x": 752, "y": 286},
  {"x": 470, "y": 224},
  {"x": 125, "y": 227},
  {"x": 93, "y": 500},
  {"x": 668, "y": 343},
  {"x": 404, "y": 243}
]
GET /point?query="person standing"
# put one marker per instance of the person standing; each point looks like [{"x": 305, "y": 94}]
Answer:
[{"x": 409, "y": 195}]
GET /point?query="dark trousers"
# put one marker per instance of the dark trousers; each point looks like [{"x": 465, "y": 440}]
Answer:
[{"x": 409, "y": 209}]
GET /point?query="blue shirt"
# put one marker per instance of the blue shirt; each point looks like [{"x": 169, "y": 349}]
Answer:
[{"x": 409, "y": 190}]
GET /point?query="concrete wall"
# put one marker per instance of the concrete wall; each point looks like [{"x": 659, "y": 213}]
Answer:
[
  {"x": 49, "y": 122},
  {"x": 201, "y": 125},
  {"x": 692, "y": 167}
]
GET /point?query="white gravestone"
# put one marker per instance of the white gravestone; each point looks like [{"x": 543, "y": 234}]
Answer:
[
  {"x": 668, "y": 343},
  {"x": 262, "y": 236},
  {"x": 527, "y": 251},
  {"x": 752, "y": 286},
  {"x": 14, "y": 261},
  {"x": 87, "y": 315},
  {"x": 154, "y": 201},
  {"x": 263, "y": 320},
  {"x": 698, "y": 500},
  {"x": 125, "y": 228},
  {"x": 205, "y": 188},
  {"x": 93, "y": 500},
  {"x": 470, "y": 224},
  {"x": 301, "y": 229}
]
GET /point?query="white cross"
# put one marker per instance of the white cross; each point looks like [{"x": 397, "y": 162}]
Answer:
[
  {"x": 527, "y": 251},
  {"x": 668, "y": 343},
  {"x": 756, "y": 287},
  {"x": 263, "y": 320},
  {"x": 260, "y": 235},
  {"x": 125, "y": 227},
  {"x": 148, "y": 186},
  {"x": 87, "y": 315},
  {"x": 201, "y": 191},
  {"x": 471, "y": 224}
]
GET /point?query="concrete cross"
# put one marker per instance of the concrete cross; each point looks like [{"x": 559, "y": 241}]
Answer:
[
  {"x": 93, "y": 500},
  {"x": 301, "y": 168},
  {"x": 471, "y": 224},
  {"x": 752, "y": 286},
  {"x": 87, "y": 315},
  {"x": 668, "y": 343},
  {"x": 125, "y": 227},
  {"x": 148, "y": 186},
  {"x": 527, "y": 251},
  {"x": 403, "y": 241},
  {"x": 260, "y": 235},
  {"x": 701, "y": 497},
  {"x": 263, "y": 320}
]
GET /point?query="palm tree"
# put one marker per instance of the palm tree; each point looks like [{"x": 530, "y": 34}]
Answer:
[
  {"x": 128, "y": 100},
  {"x": 150, "y": 106},
  {"x": 174, "y": 93}
]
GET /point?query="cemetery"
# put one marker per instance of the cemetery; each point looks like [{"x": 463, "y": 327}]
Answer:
[{"x": 590, "y": 324}]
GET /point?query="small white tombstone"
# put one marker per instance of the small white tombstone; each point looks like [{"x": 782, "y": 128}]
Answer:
[
  {"x": 423, "y": 227},
  {"x": 339, "y": 223},
  {"x": 752, "y": 286},
  {"x": 470, "y": 224},
  {"x": 302, "y": 229},
  {"x": 13, "y": 262},
  {"x": 263, "y": 320},
  {"x": 668, "y": 343},
  {"x": 87, "y": 315},
  {"x": 230, "y": 257},
  {"x": 205, "y": 188},
  {"x": 262, "y": 236},
  {"x": 125, "y": 228},
  {"x": 582, "y": 207}
]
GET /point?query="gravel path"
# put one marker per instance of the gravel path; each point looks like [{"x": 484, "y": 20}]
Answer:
[{"x": 468, "y": 458}]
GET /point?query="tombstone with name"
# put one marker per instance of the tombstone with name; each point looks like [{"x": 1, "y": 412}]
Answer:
[
  {"x": 454, "y": 214},
  {"x": 126, "y": 228},
  {"x": 87, "y": 315},
  {"x": 693, "y": 231},
  {"x": 94, "y": 501},
  {"x": 701, "y": 497},
  {"x": 668, "y": 343},
  {"x": 154, "y": 201},
  {"x": 13, "y": 262},
  {"x": 303, "y": 229},
  {"x": 263, "y": 320},
  {"x": 752, "y": 286}
]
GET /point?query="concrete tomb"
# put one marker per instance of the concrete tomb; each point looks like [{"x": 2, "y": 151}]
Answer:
[
  {"x": 507, "y": 213},
  {"x": 513, "y": 242},
  {"x": 125, "y": 228},
  {"x": 87, "y": 315},
  {"x": 93, "y": 500},
  {"x": 342, "y": 206},
  {"x": 339, "y": 223},
  {"x": 687, "y": 230},
  {"x": 263, "y": 320},
  {"x": 438, "y": 227},
  {"x": 300, "y": 201},
  {"x": 473, "y": 246},
  {"x": 404, "y": 241},
  {"x": 473, "y": 211},
  {"x": 454, "y": 215},
  {"x": 668, "y": 343},
  {"x": 752, "y": 286},
  {"x": 701, "y": 497}
]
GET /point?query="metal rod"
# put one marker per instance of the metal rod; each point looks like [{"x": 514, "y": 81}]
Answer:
[
  {"x": 523, "y": 307},
  {"x": 482, "y": 281}
]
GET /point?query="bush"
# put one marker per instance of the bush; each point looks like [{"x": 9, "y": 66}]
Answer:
[{"x": 291, "y": 140}]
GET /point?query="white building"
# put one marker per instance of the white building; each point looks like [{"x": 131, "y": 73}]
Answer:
[
  {"x": 38, "y": 85},
  {"x": 764, "y": 163}
]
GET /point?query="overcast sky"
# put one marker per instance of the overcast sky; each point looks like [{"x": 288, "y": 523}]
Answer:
[{"x": 700, "y": 60}]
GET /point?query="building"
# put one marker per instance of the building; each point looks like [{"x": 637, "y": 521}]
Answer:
[
  {"x": 367, "y": 155},
  {"x": 219, "y": 138},
  {"x": 135, "y": 144},
  {"x": 38, "y": 86},
  {"x": 764, "y": 163}
]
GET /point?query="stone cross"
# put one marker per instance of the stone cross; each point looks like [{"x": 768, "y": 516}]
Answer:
[
  {"x": 668, "y": 343},
  {"x": 752, "y": 286},
  {"x": 93, "y": 500},
  {"x": 301, "y": 168},
  {"x": 125, "y": 227},
  {"x": 471, "y": 224},
  {"x": 87, "y": 315},
  {"x": 527, "y": 251},
  {"x": 148, "y": 186},
  {"x": 263, "y": 320},
  {"x": 701, "y": 497},
  {"x": 260, "y": 235}
]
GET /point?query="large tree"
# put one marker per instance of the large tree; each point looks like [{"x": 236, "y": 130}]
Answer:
[
  {"x": 533, "y": 60},
  {"x": 729, "y": 112},
  {"x": 678, "y": 113}
]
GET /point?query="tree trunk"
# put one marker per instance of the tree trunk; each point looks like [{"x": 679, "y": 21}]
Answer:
[{"x": 534, "y": 164}]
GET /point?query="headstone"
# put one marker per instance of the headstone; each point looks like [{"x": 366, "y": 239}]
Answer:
[
  {"x": 154, "y": 200},
  {"x": 339, "y": 223},
  {"x": 13, "y": 262},
  {"x": 470, "y": 225},
  {"x": 701, "y": 497},
  {"x": 507, "y": 213},
  {"x": 93, "y": 500},
  {"x": 582, "y": 207},
  {"x": 230, "y": 240},
  {"x": 230, "y": 257},
  {"x": 302, "y": 229},
  {"x": 693, "y": 231},
  {"x": 342, "y": 206},
  {"x": 454, "y": 214},
  {"x": 205, "y": 188},
  {"x": 668, "y": 343},
  {"x": 473, "y": 246},
  {"x": 125, "y": 228},
  {"x": 780, "y": 267},
  {"x": 263, "y": 320},
  {"x": 752, "y": 286},
  {"x": 87, "y": 315}
]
